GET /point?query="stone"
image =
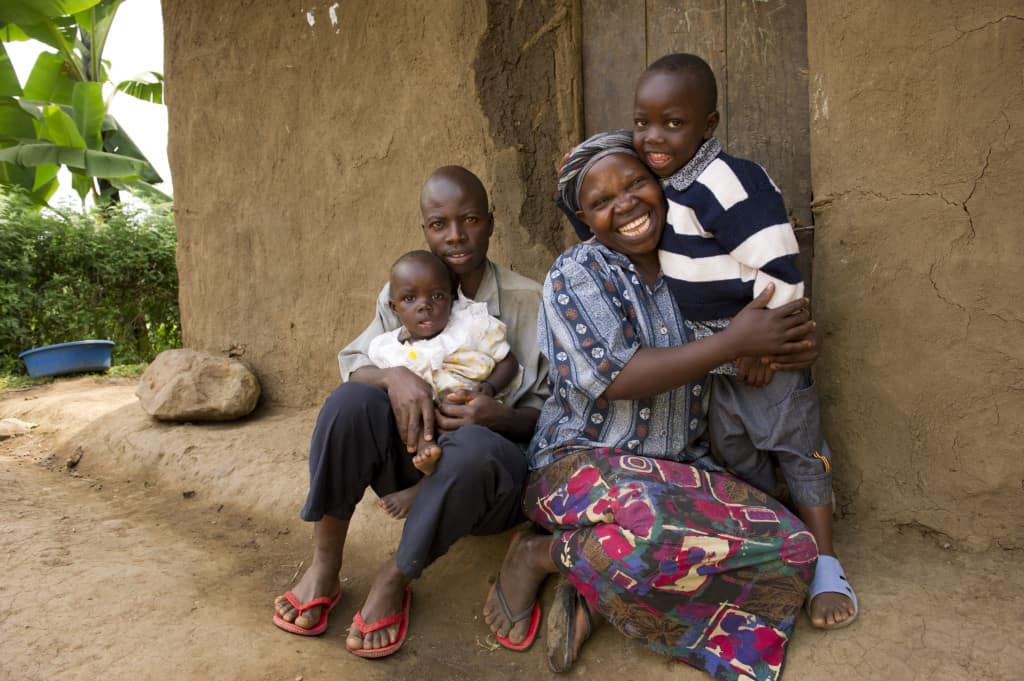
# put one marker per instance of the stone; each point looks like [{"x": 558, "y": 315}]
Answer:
[
  {"x": 187, "y": 385},
  {"x": 12, "y": 427}
]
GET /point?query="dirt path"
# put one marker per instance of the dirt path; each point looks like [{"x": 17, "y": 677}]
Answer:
[{"x": 109, "y": 571}]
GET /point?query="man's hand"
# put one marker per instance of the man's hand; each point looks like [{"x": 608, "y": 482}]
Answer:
[
  {"x": 412, "y": 402},
  {"x": 464, "y": 407},
  {"x": 802, "y": 359},
  {"x": 754, "y": 371}
]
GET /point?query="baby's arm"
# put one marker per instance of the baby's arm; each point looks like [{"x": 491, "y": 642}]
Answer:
[{"x": 504, "y": 373}]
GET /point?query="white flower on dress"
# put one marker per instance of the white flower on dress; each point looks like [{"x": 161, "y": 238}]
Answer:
[
  {"x": 615, "y": 374},
  {"x": 693, "y": 424},
  {"x": 645, "y": 413},
  {"x": 562, "y": 299},
  {"x": 555, "y": 273},
  {"x": 596, "y": 418},
  {"x": 597, "y": 353},
  {"x": 543, "y": 443},
  {"x": 561, "y": 356},
  {"x": 564, "y": 419},
  {"x": 581, "y": 329},
  {"x": 561, "y": 393},
  {"x": 696, "y": 391},
  {"x": 633, "y": 444},
  {"x": 617, "y": 302}
]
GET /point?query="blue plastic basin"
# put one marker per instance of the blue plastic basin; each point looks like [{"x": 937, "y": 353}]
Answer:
[{"x": 68, "y": 358}]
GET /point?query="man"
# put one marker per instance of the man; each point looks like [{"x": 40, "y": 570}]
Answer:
[{"x": 368, "y": 429}]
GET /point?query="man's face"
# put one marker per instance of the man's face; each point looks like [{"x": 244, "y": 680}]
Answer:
[
  {"x": 670, "y": 121},
  {"x": 456, "y": 224}
]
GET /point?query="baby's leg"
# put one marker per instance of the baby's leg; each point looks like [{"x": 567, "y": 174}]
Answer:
[{"x": 428, "y": 453}]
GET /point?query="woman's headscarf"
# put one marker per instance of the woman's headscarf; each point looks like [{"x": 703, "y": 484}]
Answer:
[{"x": 581, "y": 159}]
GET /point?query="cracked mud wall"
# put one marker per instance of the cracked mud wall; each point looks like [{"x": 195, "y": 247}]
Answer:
[
  {"x": 300, "y": 135},
  {"x": 917, "y": 162}
]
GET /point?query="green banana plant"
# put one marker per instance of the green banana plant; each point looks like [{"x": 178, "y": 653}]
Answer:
[{"x": 59, "y": 117}]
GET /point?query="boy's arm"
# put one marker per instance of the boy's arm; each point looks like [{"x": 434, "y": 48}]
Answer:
[{"x": 504, "y": 373}]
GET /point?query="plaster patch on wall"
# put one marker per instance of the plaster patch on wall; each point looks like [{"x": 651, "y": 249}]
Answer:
[
  {"x": 310, "y": 18},
  {"x": 332, "y": 12},
  {"x": 819, "y": 100}
]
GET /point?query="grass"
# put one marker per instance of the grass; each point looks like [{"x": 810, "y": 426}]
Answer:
[{"x": 22, "y": 382}]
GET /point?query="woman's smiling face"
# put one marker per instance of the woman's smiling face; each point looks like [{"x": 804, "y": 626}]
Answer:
[{"x": 623, "y": 205}]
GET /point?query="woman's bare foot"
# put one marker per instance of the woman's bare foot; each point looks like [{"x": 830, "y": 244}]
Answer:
[
  {"x": 426, "y": 457},
  {"x": 569, "y": 626},
  {"x": 527, "y": 563},
  {"x": 397, "y": 504},
  {"x": 385, "y": 598},
  {"x": 829, "y": 609},
  {"x": 321, "y": 578}
]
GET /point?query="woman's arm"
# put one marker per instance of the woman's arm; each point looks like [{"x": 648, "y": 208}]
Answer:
[{"x": 754, "y": 331}]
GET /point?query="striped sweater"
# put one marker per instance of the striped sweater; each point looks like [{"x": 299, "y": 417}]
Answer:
[{"x": 727, "y": 236}]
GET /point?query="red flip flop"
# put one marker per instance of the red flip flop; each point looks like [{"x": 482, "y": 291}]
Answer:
[
  {"x": 328, "y": 602},
  {"x": 533, "y": 613},
  {"x": 403, "y": 617}
]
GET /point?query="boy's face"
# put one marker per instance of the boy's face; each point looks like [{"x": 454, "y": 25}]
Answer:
[
  {"x": 421, "y": 298},
  {"x": 670, "y": 120},
  {"x": 456, "y": 224}
]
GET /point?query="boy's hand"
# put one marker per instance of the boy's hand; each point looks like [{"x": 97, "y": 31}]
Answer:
[
  {"x": 804, "y": 359},
  {"x": 754, "y": 371},
  {"x": 412, "y": 402},
  {"x": 464, "y": 407}
]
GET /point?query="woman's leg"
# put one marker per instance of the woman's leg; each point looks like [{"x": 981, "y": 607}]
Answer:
[{"x": 701, "y": 567}]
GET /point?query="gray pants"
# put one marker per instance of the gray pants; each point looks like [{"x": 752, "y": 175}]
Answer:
[
  {"x": 475, "y": 489},
  {"x": 755, "y": 429}
]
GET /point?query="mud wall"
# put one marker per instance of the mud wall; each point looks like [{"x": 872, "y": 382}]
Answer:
[
  {"x": 917, "y": 159},
  {"x": 300, "y": 135}
]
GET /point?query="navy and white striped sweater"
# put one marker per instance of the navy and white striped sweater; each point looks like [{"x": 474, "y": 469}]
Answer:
[{"x": 727, "y": 236}]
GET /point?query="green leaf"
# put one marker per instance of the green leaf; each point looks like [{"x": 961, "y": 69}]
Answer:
[
  {"x": 96, "y": 21},
  {"x": 143, "y": 190},
  {"x": 50, "y": 80},
  {"x": 82, "y": 184},
  {"x": 89, "y": 112},
  {"x": 117, "y": 141},
  {"x": 13, "y": 34},
  {"x": 45, "y": 173},
  {"x": 145, "y": 90},
  {"x": 60, "y": 128},
  {"x": 23, "y": 12},
  {"x": 94, "y": 163},
  {"x": 9, "y": 85},
  {"x": 15, "y": 121}
]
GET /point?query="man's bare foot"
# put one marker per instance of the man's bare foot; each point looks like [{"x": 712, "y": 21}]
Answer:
[
  {"x": 527, "y": 563},
  {"x": 385, "y": 598},
  {"x": 318, "y": 580},
  {"x": 397, "y": 504},
  {"x": 829, "y": 609},
  {"x": 426, "y": 457}
]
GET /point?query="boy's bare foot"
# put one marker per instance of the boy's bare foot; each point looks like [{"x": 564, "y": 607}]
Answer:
[
  {"x": 426, "y": 458},
  {"x": 527, "y": 563},
  {"x": 385, "y": 598},
  {"x": 397, "y": 504},
  {"x": 830, "y": 609},
  {"x": 319, "y": 580}
]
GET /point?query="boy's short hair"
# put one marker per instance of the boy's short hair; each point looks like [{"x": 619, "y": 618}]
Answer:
[
  {"x": 682, "y": 62},
  {"x": 426, "y": 257}
]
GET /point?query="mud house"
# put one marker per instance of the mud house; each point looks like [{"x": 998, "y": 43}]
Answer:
[{"x": 300, "y": 133}]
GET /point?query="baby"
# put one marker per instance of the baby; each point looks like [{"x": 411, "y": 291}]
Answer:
[{"x": 451, "y": 343}]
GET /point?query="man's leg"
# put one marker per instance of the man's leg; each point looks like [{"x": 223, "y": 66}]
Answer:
[
  {"x": 475, "y": 489},
  {"x": 355, "y": 444}
]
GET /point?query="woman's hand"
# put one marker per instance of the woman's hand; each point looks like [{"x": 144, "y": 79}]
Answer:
[
  {"x": 464, "y": 407},
  {"x": 781, "y": 332},
  {"x": 412, "y": 402}
]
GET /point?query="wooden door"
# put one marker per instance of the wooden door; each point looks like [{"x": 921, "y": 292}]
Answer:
[{"x": 758, "y": 51}]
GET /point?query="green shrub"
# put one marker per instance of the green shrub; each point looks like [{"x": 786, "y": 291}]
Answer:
[{"x": 100, "y": 274}]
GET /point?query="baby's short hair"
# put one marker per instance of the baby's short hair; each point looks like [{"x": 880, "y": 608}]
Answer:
[
  {"x": 684, "y": 63},
  {"x": 428, "y": 258}
]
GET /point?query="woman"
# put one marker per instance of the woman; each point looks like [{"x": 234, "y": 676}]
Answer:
[{"x": 647, "y": 533}]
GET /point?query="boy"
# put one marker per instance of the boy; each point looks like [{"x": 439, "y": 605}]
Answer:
[
  {"x": 452, "y": 345},
  {"x": 727, "y": 237}
]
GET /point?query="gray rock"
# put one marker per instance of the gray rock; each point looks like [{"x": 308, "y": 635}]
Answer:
[{"x": 186, "y": 385}]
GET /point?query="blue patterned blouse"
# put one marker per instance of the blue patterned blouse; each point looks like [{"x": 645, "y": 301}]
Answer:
[{"x": 595, "y": 313}]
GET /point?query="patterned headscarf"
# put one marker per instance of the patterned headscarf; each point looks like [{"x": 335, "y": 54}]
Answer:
[{"x": 581, "y": 159}]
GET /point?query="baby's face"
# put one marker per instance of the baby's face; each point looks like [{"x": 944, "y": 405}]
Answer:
[
  {"x": 421, "y": 298},
  {"x": 670, "y": 121}
]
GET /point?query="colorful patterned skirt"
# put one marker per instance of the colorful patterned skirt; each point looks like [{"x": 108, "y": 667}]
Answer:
[{"x": 699, "y": 566}]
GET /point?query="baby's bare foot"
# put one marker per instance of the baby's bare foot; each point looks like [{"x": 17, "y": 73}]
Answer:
[
  {"x": 426, "y": 458},
  {"x": 397, "y": 504}
]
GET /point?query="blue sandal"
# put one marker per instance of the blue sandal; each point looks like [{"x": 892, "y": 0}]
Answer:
[{"x": 830, "y": 578}]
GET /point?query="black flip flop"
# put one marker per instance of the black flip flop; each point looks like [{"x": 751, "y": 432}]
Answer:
[{"x": 562, "y": 627}]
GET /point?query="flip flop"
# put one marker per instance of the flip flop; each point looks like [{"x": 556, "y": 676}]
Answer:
[
  {"x": 359, "y": 623},
  {"x": 533, "y": 612},
  {"x": 830, "y": 578},
  {"x": 321, "y": 625},
  {"x": 562, "y": 627}
]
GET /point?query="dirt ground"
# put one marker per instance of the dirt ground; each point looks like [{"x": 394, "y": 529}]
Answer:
[{"x": 157, "y": 556}]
